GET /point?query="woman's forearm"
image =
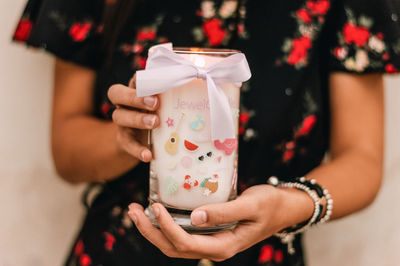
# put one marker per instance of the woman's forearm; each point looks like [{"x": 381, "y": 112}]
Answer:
[
  {"x": 353, "y": 180},
  {"x": 85, "y": 150},
  {"x": 354, "y": 172}
]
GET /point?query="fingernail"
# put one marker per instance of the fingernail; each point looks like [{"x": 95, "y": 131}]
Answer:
[
  {"x": 145, "y": 154},
  {"x": 133, "y": 216},
  {"x": 149, "y": 120},
  {"x": 150, "y": 101},
  {"x": 198, "y": 217},
  {"x": 156, "y": 211}
]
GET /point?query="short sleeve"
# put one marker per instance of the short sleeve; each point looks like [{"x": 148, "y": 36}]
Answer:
[
  {"x": 364, "y": 36},
  {"x": 69, "y": 29}
]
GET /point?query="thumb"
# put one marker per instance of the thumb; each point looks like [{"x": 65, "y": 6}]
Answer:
[{"x": 222, "y": 213}]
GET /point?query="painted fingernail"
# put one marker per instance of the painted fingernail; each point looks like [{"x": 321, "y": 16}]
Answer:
[
  {"x": 198, "y": 217},
  {"x": 145, "y": 155},
  {"x": 149, "y": 120},
  {"x": 150, "y": 101},
  {"x": 156, "y": 211}
]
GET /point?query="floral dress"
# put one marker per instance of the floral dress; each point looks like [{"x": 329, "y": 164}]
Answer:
[{"x": 291, "y": 46}]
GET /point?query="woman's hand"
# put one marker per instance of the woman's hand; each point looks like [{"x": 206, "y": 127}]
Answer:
[
  {"x": 133, "y": 117},
  {"x": 261, "y": 211}
]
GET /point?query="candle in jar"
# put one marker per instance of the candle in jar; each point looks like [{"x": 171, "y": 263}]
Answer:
[{"x": 189, "y": 168}]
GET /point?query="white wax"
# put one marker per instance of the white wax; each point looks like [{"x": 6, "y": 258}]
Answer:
[{"x": 187, "y": 180}]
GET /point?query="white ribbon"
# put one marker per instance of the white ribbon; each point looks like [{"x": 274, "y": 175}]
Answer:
[{"x": 166, "y": 70}]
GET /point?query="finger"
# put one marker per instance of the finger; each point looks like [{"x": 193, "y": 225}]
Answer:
[
  {"x": 123, "y": 95},
  {"x": 182, "y": 241},
  {"x": 222, "y": 213},
  {"x": 135, "y": 119},
  {"x": 132, "y": 82},
  {"x": 147, "y": 229},
  {"x": 133, "y": 147}
]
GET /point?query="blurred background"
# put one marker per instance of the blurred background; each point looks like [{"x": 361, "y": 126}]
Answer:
[{"x": 40, "y": 214}]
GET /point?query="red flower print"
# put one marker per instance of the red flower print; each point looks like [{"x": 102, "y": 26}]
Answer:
[
  {"x": 308, "y": 124},
  {"x": 318, "y": 7},
  {"x": 278, "y": 256},
  {"x": 105, "y": 108},
  {"x": 78, "y": 250},
  {"x": 340, "y": 52},
  {"x": 79, "y": 31},
  {"x": 390, "y": 68},
  {"x": 212, "y": 28},
  {"x": 244, "y": 117},
  {"x": 137, "y": 48},
  {"x": 127, "y": 49},
  {"x": 23, "y": 30},
  {"x": 162, "y": 40},
  {"x": 100, "y": 28},
  {"x": 290, "y": 145},
  {"x": 121, "y": 231},
  {"x": 379, "y": 35},
  {"x": 303, "y": 15},
  {"x": 354, "y": 34},
  {"x": 385, "y": 56},
  {"x": 110, "y": 240},
  {"x": 140, "y": 61},
  {"x": 266, "y": 254},
  {"x": 240, "y": 28},
  {"x": 85, "y": 260},
  {"x": 299, "y": 51},
  {"x": 145, "y": 35},
  {"x": 287, "y": 156},
  {"x": 241, "y": 130}
]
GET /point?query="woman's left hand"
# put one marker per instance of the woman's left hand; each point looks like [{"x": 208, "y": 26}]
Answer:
[{"x": 260, "y": 210}]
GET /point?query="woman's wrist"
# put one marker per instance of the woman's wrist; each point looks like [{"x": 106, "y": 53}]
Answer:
[{"x": 295, "y": 207}]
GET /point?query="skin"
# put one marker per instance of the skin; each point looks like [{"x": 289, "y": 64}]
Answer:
[{"x": 103, "y": 150}]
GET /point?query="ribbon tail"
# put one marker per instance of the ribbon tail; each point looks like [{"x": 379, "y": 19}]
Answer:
[{"x": 222, "y": 126}]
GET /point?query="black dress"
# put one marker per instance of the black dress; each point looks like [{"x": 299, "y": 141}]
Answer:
[{"x": 291, "y": 46}]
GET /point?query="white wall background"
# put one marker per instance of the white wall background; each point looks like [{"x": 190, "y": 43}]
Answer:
[{"x": 39, "y": 214}]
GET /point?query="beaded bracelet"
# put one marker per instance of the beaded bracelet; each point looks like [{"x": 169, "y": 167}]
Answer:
[
  {"x": 322, "y": 193},
  {"x": 316, "y": 192}
]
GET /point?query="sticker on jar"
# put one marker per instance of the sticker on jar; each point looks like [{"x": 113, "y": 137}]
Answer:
[
  {"x": 228, "y": 145},
  {"x": 190, "y": 182},
  {"x": 171, "y": 145},
  {"x": 171, "y": 186},
  {"x": 202, "y": 157},
  {"x": 210, "y": 185},
  {"x": 186, "y": 162},
  {"x": 197, "y": 122},
  {"x": 190, "y": 146},
  {"x": 172, "y": 165}
]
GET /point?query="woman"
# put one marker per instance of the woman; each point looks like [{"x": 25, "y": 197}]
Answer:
[{"x": 317, "y": 85}]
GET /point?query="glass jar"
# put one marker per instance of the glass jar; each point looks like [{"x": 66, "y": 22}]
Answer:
[{"x": 189, "y": 169}]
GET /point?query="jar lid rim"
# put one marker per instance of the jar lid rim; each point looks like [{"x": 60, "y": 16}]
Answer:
[{"x": 205, "y": 51}]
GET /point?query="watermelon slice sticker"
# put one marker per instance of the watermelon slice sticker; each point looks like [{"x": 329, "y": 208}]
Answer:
[{"x": 190, "y": 146}]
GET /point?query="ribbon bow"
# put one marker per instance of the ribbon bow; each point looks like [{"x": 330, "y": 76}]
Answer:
[{"x": 166, "y": 70}]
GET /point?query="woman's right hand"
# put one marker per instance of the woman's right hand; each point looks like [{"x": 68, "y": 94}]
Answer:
[{"x": 134, "y": 116}]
